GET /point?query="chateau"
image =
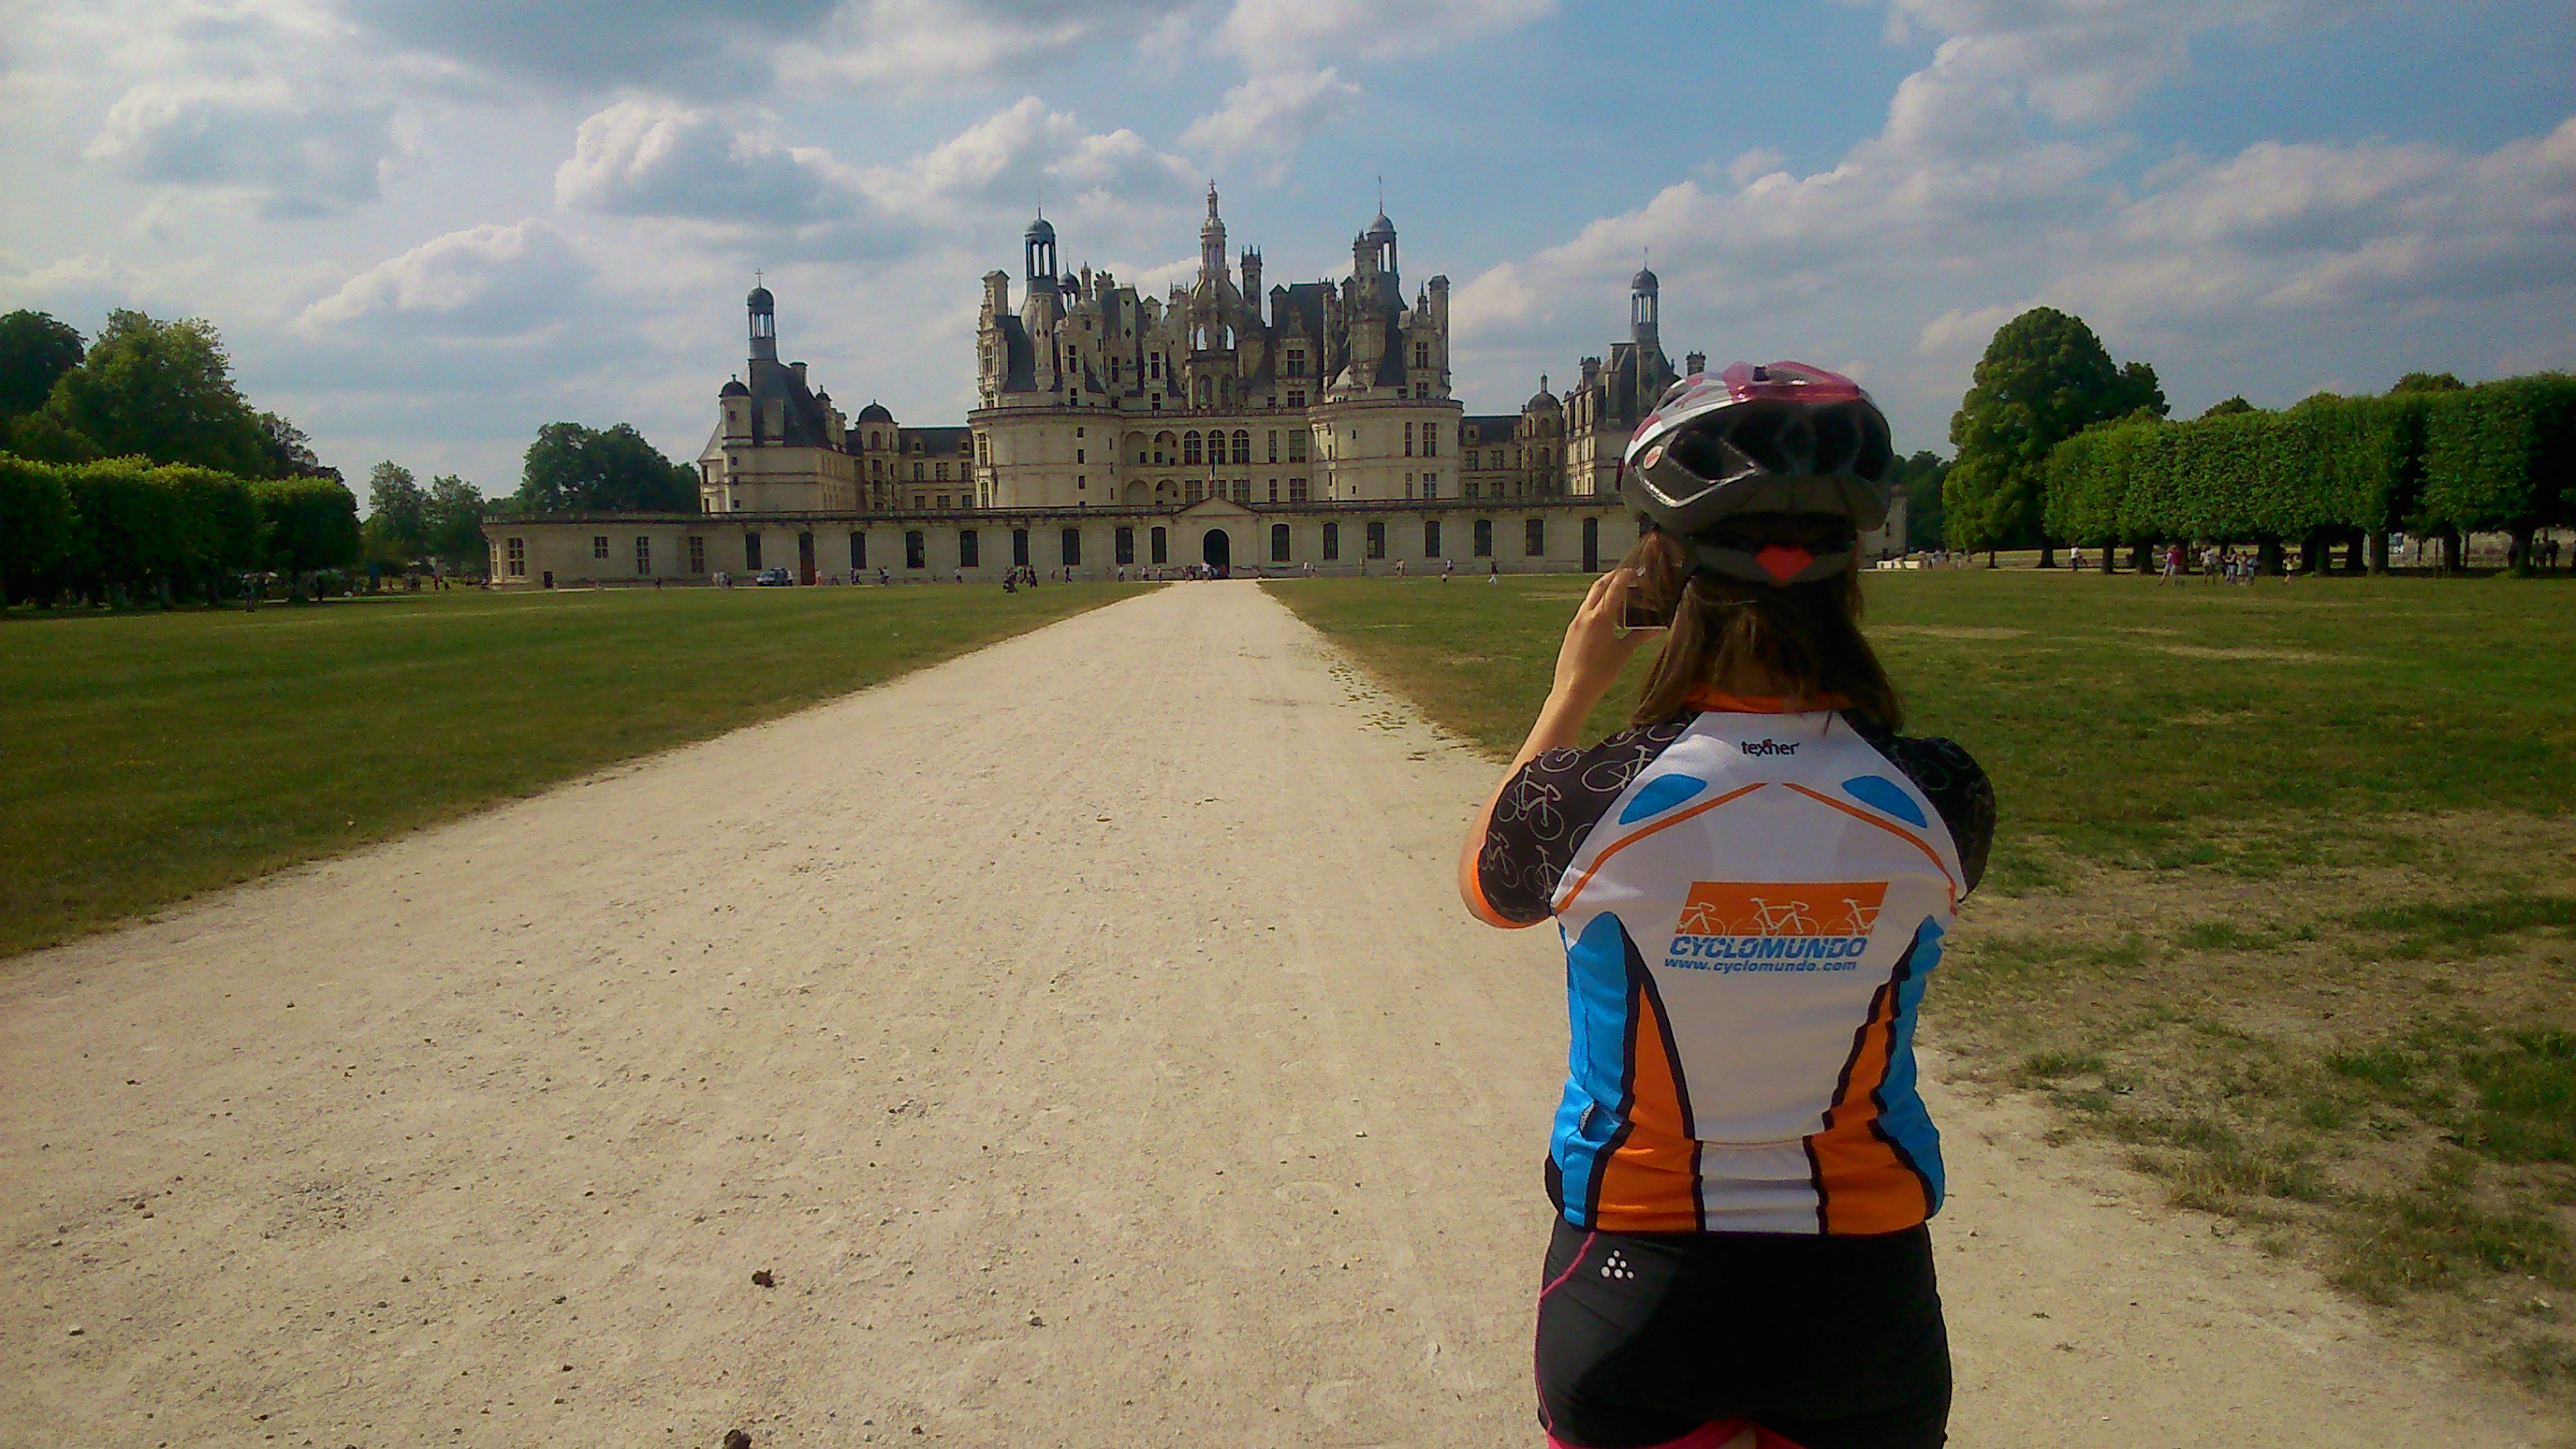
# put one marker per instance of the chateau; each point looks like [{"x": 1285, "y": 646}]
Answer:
[{"x": 1307, "y": 427}]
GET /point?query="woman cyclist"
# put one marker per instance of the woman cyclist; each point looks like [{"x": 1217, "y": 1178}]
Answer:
[{"x": 1752, "y": 884}]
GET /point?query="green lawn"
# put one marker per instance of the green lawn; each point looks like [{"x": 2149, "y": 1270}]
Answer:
[
  {"x": 146, "y": 757},
  {"x": 2283, "y": 899}
]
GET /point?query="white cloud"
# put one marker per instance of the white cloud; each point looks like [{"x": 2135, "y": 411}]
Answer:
[
  {"x": 488, "y": 282},
  {"x": 1027, "y": 153},
  {"x": 641, "y": 158},
  {"x": 295, "y": 157},
  {"x": 1271, "y": 114},
  {"x": 1289, "y": 34}
]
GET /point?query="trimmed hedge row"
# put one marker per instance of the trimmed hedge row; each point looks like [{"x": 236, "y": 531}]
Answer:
[
  {"x": 124, "y": 524},
  {"x": 2496, "y": 456}
]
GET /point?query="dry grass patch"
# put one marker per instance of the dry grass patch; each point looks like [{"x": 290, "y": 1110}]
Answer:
[{"x": 2369, "y": 1065}]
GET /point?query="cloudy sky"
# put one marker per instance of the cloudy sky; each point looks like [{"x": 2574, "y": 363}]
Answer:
[{"x": 428, "y": 226}]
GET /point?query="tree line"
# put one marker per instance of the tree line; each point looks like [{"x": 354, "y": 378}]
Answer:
[
  {"x": 132, "y": 465},
  {"x": 2057, "y": 445}
]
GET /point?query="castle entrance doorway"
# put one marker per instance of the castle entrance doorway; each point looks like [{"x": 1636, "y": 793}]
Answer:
[
  {"x": 1217, "y": 551},
  {"x": 805, "y": 559}
]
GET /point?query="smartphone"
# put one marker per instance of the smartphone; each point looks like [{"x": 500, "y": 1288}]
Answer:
[{"x": 1644, "y": 613}]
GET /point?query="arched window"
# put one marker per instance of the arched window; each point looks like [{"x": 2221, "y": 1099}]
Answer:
[
  {"x": 1189, "y": 448},
  {"x": 1242, "y": 445},
  {"x": 874, "y": 440},
  {"x": 1203, "y": 392}
]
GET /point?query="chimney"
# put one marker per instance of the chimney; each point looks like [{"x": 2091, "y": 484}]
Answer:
[
  {"x": 1697, "y": 362},
  {"x": 799, "y": 369},
  {"x": 1252, "y": 280}
]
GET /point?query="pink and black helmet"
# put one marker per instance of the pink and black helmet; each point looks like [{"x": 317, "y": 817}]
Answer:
[{"x": 1784, "y": 438}]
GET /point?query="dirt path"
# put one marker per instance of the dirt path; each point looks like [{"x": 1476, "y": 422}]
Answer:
[{"x": 1081, "y": 1032}]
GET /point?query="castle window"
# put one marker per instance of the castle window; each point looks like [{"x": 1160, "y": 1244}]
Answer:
[
  {"x": 1160, "y": 543},
  {"x": 1243, "y": 491},
  {"x": 643, "y": 554},
  {"x": 858, "y": 550},
  {"x": 1078, "y": 455},
  {"x": 1155, "y": 363},
  {"x": 1190, "y": 491},
  {"x": 1189, "y": 448},
  {"x": 1534, "y": 537},
  {"x": 916, "y": 473},
  {"x": 1484, "y": 538},
  {"x": 875, "y": 439},
  {"x": 1278, "y": 543},
  {"x": 1296, "y": 490},
  {"x": 751, "y": 553},
  {"x": 941, "y": 501},
  {"x": 1073, "y": 548},
  {"x": 1408, "y": 440},
  {"x": 919, "y": 502},
  {"x": 1296, "y": 362},
  {"x": 1297, "y": 446},
  {"x": 1431, "y": 440},
  {"x": 1431, "y": 538},
  {"x": 1408, "y": 485},
  {"x": 1203, "y": 392},
  {"x": 943, "y": 472},
  {"x": 518, "y": 548},
  {"x": 599, "y": 545},
  {"x": 1377, "y": 540},
  {"x": 1332, "y": 542},
  {"x": 1123, "y": 544},
  {"x": 916, "y": 553},
  {"x": 1422, "y": 354},
  {"x": 1274, "y": 490},
  {"x": 697, "y": 554},
  {"x": 1430, "y": 485},
  {"x": 1296, "y": 397},
  {"x": 1274, "y": 445},
  {"x": 1243, "y": 445},
  {"x": 1019, "y": 548},
  {"x": 970, "y": 549},
  {"x": 1421, "y": 390}
]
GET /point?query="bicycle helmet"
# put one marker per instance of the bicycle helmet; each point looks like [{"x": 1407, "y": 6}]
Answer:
[{"x": 1779, "y": 439}]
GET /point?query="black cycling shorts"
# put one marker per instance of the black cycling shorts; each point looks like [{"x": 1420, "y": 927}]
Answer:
[{"x": 1829, "y": 1342}]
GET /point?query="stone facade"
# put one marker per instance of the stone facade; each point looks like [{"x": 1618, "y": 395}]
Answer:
[
  {"x": 1551, "y": 536},
  {"x": 1320, "y": 411}
]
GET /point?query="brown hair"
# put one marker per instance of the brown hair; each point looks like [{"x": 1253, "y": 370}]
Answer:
[{"x": 1805, "y": 636}]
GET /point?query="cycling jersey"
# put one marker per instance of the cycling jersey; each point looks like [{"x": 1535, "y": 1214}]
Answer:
[{"x": 1750, "y": 899}]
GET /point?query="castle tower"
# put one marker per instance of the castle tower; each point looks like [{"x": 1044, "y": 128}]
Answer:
[
  {"x": 764, "y": 324},
  {"x": 1252, "y": 282},
  {"x": 1645, "y": 303},
  {"x": 1037, "y": 248},
  {"x": 1212, "y": 242}
]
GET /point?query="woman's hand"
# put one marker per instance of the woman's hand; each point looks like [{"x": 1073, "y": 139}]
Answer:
[{"x": 1597, "y": 646}]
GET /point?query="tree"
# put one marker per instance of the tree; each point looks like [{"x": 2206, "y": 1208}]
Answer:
[
  {"x": 2426, "y": 382},
  {"x": 397, "y": 528},
  {"x": 312, "y": 524},
  {"x": 163, "y": 391},
  {"x": 2045, "y": 377},
  {"x": 452, "y": 531},
  {"x": 2228, "y": 407},
  {"x": 34, "y": 351},
  {"x": 1919, "y": 479},
  {"x": 288, "y": 453},
  {"x": 573, "y": 469}
]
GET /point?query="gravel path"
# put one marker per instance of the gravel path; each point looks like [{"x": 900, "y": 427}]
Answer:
[{"x": 1080, "y": 1036}]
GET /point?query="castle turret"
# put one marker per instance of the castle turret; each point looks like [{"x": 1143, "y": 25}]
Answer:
[
  {"x": 1644, "y": 305},
  {"x": 1211, "y": 242},
  {"x": 1252, "y": 282},
  {"x": 764, "y": 324}
]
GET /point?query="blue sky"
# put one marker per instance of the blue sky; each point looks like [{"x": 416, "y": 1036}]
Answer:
[{"x": 427, "y": 228}]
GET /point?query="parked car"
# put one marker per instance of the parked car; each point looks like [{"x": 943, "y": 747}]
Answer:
[{"x": 771, "y": 579}]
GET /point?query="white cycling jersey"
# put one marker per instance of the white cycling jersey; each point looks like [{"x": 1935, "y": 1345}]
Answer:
[{"x": 1748, "y": 929}]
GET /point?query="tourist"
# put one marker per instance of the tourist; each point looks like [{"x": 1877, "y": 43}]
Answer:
[
  {"x": 2173, "y": 563},
  {"x": 2075, "y": 559},
  {"x": 1447, "y": 567},
  {"x": 1741, "y": 1167}
]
